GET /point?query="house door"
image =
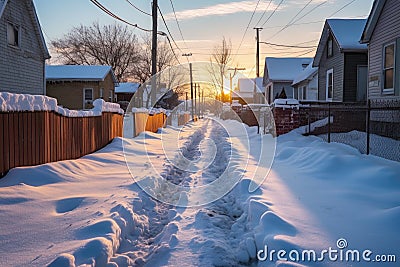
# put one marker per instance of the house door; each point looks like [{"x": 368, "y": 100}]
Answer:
[{"x": 362, "y": 83}]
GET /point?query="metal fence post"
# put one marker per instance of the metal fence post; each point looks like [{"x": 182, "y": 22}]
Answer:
[
  {"x": 368, "y": 126},
  {"x": 329, "y": 122}
]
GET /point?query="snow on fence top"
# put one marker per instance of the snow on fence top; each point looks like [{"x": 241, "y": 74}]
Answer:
[
  {"x": 25, "y": 102},
  {"x": 151, "y": 111},
  {"x": 286, "y": 103}
]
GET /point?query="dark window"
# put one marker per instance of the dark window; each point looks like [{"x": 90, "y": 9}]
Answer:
[
  {"x": 330, "y": 47},
  {"x": 329, "y": 84},
  {"x": 13, "y": 34},
  {"x": 304, "y": 92}
]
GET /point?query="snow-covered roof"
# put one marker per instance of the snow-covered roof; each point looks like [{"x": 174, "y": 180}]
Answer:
[
  {"x": 284, "y": 69},
  {"x": 347, "y": 33},
  {"x": 246, "y": 85},
  {"x": 78, "y": 73},
  {"x": 307, "y": 73},
  {"x": 127, "y": 88}
]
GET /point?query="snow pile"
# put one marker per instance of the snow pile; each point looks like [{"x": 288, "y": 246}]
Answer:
[
  {"x": 103, "y": 106},
  {"x": 89, "y": 212},
  {"x": 26, "y": 102},
  {"x": 379, "y": 146}
]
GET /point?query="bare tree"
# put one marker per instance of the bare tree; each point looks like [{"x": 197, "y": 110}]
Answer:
[
  {"x": 114, "y": 45},
  {"x": 219, "y": 64},
  {"x": 165, "y": 58}
]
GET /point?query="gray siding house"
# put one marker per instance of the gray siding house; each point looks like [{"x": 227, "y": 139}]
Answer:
[
  {"x": 23, "y": 49},
  {"x": 342, "y": 61},
  {"x": 279, "y": 74},
  {"x": 382, "y": 34}
]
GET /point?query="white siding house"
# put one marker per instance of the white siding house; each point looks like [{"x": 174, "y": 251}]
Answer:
[
  {"x": 306, "y": 84},
  {"x": 23, "y": 50}
]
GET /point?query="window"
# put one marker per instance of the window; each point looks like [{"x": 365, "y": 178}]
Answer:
[
  {"x": 87, "y": 98},
  {"x": 304, "y": 92},
  {"x": 388, "y": 68},
  {"x": 13, "y": 35},
  {"x": 329, "y": 85},
  {"x": 101, "y": 93},
  {"x": 110, "y": 98},
  {"x": 330, "y": 47}
]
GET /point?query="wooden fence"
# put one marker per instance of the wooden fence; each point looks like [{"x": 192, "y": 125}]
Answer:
[
  {"x": 145, "y": 122},
  {"x": 32, "y": 138}
]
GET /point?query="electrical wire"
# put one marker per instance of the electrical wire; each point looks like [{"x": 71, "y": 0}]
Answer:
[
  {"x": 166, "y": 26},
  {"x": 108, "y": 12},
  {"x": 265, "y": 12},
  {"x": 177, "y": 22},
  {"x": 343, "y": 7},
  {"x": 287, "y": 46},
  {"x": 270, "y": 16},
  {"x": 138, "y": 9},
  {"x": 248, "y": 26},
  {"x": 292, "y": 20}
]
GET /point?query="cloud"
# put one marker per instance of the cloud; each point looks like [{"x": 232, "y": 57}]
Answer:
[{"x": 221, "y": 9}]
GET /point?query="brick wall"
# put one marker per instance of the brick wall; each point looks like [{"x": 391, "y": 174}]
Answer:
[{"x": 286, "y": 120}]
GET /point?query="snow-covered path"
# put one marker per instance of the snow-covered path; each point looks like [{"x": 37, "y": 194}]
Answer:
[{"x": 90, "y": 212}]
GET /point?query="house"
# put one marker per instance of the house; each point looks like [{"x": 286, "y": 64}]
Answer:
[
  {"x": 279, "y": 74},
  {"x": 382, "y": 34},
  {"x": 76, "y": 86},
  {"x": 306, "y": 84},
  {"x": 342, "y": 61},
  {"x": 23, "y": 49},
  {"x": 249, "y": 91},
  {"x": 125, "y": 91}
]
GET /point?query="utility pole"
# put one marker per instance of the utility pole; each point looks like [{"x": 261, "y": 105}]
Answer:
[
  {"x": 258, "y": 51},
  {"x": 195, "y": 98},
  {"x": 231, "y": 79},
  {"x": 191, "y": 84},
  {"x": 199, "y": 102},
  {"x": 154, "y": 53}
]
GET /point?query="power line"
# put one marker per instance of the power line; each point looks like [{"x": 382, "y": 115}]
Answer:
[
  {"x": 248, "y": 25},
  {"x": 343, "y": 7},
  {"x": 270, "y": 16},
  {"x": 108, "y": 12},
  {"x": 177, "y": 22},
  {"x": 166, "y": 26},
  {"x": 288, "y": 46},
  {"x": 138, "y": 9},
  {"x": 292, "y": 20},
  {"x": 265, "y": 12},
  {"x": 309, "y": 12}
]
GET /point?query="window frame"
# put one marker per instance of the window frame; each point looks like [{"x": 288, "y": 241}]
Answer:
[
  {"x": 16, "y": 34},
  {"x": 84, "y": 97},
  {"x": 304, "y": 92},
  {"x": 328, "y": 72},
  {"x": 101, "y": 93},
  {"x": 388, "y": 91},
  {"x": 110, "y": 96}
]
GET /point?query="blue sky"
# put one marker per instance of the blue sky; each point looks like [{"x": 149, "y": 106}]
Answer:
[{"x": 205, "y": 22}]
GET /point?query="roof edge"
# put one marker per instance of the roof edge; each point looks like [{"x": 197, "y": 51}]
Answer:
[{"x": 372, "y": 20}]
